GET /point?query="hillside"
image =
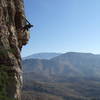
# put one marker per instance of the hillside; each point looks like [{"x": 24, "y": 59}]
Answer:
[
  {"x": 68, "y": 90},
  {"x": 68, "y": 65},
  {"x": 70, "y": 76}
]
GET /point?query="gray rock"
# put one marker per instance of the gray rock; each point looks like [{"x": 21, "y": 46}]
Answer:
[{"x": 12, "y": 38}]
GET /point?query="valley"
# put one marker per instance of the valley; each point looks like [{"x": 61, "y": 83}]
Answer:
[{"x": 70, "y": 76}]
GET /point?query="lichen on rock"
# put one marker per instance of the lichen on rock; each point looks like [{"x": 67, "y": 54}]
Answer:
[{"x": 12, "y": 38}]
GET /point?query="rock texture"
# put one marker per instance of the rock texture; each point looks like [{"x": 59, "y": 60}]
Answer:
[{"x": 12, "y": 38}]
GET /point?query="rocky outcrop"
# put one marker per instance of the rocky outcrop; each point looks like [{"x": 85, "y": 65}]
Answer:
[{"x": 12, "y": 38}]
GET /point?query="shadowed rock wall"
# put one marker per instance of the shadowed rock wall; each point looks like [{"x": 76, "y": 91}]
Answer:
[{"x": 12, "y": 38}]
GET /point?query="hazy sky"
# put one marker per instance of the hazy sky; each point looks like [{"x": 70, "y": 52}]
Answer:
[{"x": 63, "y": 26}]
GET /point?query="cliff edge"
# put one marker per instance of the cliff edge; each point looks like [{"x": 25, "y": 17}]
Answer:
[{"x": 12, "y": 38}]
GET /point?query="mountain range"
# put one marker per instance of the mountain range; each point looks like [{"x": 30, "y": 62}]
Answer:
[
  {"x": 71, "y": 64},
  {"x": 42, "y": 56},
  {"x": 68, "y": 76}
]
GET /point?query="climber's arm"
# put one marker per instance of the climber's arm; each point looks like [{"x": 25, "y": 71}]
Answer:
[{"x": 27, "y": 26}]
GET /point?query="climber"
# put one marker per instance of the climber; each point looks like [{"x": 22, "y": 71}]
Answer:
[
  {"x": 23, "y": 34},
  {"x": 27, "y": 26}
]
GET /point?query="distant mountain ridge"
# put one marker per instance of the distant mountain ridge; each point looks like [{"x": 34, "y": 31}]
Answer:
[
  {"x": 42, "y": 56},
  {"x": 71, "y": 64}
]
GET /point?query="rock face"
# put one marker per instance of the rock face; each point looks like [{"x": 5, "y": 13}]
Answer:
[{"x": 12, "y": 38}]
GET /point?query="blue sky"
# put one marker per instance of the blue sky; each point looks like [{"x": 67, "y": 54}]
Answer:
[{"x": 63, "y": 26}]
